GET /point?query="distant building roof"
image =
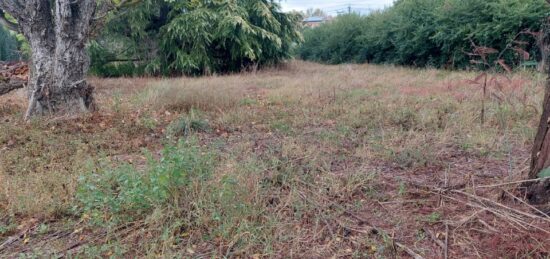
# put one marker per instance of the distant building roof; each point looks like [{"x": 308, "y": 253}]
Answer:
[{"x": 314, "y": 19}]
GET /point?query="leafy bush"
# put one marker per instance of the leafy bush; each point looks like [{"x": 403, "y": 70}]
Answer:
[
  {"x": 197, "y": 37},
  {"x": 434, "y": 33},
  {"x": 8, "y": 45},
  {"x": 125, "y": 191},
  {"x": 335, "y": 43}
]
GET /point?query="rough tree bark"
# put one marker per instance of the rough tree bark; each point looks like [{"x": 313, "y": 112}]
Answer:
[
  {"x": 57, "y": 32},
  {"x": 539, "y": 192}
]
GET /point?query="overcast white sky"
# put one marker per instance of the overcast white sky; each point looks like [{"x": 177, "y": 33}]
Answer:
[{"x": 334, "y": 6}]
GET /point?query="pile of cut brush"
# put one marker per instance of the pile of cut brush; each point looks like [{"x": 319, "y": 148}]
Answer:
[{"x": 13, "y": 75}]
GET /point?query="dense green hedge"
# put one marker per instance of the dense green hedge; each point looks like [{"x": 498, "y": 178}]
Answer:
[{"x": 435, "y": 33}]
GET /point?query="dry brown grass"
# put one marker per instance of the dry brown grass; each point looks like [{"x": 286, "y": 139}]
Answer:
[
  {"x": 203, "y": 94},
  {"x": 326, "y": 161}
]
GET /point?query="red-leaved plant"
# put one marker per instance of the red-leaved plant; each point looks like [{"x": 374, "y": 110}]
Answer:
[{"x": 492, "y": 83}]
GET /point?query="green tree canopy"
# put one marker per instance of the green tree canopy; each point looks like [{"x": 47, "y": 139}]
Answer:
[
  {"x": 8, "y": 45},
  {"x": 195, "y": 37}
]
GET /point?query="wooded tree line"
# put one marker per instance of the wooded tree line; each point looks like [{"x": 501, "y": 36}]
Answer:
[
  {"x": 161, "y": 37},
  {"x": 433, "y": 33}
]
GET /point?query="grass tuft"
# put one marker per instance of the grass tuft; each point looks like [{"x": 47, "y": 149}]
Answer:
[{"x": 126, "y": 193}]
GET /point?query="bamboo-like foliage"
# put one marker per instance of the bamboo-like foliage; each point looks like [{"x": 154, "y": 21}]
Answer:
[{"x": 197, "y": 37}]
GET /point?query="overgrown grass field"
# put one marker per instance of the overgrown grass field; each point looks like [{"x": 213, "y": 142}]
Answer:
[{"x": 300, "y": 161}]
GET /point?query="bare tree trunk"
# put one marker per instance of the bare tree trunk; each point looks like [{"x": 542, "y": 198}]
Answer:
[
  {"x": 58, "y": 79},
  {"x": 57, "y": 32},
  {"x": 539, "y": 192}
]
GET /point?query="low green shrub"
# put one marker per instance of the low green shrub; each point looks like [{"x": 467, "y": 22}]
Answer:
[
  {"x": 127, "y": 192},
  {"x": 184, "y": 126}
]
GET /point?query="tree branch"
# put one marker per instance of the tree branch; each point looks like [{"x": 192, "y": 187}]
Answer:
[
  {"x": 107, "y": 8},
  {"x": 124, "y": 60},
  {"x": 13, "y": 84},
  {"x": 12, "y": 76}
]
